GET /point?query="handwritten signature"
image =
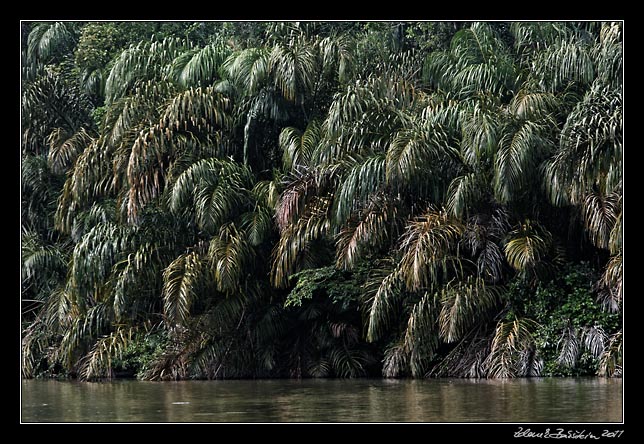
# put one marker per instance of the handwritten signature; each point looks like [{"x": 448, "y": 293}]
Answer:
[{"x": 566, "y": 434}]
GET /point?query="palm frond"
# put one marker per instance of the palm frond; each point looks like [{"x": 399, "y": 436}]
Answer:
[
  {"x": 230, "y": 254},
  {"x": 211, "y": 191},
  {"x": 468, "y": 357},
  {"x": 564, "y": 62},
  {"x": 249, "y": 69},
  {"x": 362, "y": 180},
  {"x": 590, "y": 148},
  {"x": 530, "y": 37},
  {"x": 416, "y": 151},
  {"x": 140, "y": 62},
  {"x": 421, "y": 336},
  {"x": 386, "y": 287},
  {"x": 428, "y": 246},
  {"x": 569, "y": 347},
  {"x": 90, "y": 179},
  {"x": 338, "y": 56},
  {"x": 510, "y": 339},
  {"x": 93, "y": 258},
  {"x": 292, "y": 202},
  {"x": 199, "y": 66},
  {"x": 370, "y": 228},
  {"x": 267, "y": 192},
  {"x": 463, "y": 304},
  {"x": 611, "y": 292},
  {"x": 600, "y": 215},
  {"x": 293, "y": 66},
  {"x": 533, "y": 105},
  {"x": 97, "y": 363},
  {"x": 519, "y": 154},
  {"x": 610, "y": 363},
  {"x": 257, "y": 225},
  {"x": 527, "y": 245},
  {"x": 608, "y": 54},
  {"x": 594, "y": 340},
  {"x": 292, "y": 250},
  {"x": 299, "y": 147},
  {"x": 465, "y": 193},
  {"x": 128, "y": 115},
  {"x": 395, "y": 362},
  {"x": 481, "y": 130},
  {"x": 42, "y": 261},
  {"x": 181, "y": 279},
  {"x": 65, "y": 148},
  {"x": 49, "y": 39}
]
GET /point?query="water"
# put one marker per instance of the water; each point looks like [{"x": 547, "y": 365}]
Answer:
[{"x": 548, "y": 400}]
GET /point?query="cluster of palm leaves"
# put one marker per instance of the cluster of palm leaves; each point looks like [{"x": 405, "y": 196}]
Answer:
[{"x": 323, "y": 204}]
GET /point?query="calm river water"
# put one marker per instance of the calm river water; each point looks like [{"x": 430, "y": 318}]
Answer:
[{"x": 549, "y": 400}]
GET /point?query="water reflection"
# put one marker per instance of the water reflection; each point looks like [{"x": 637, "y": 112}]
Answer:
[{"x": 549, "y": 400}]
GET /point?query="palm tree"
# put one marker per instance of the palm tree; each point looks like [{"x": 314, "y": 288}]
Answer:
[{"x": 326, "y": 202}]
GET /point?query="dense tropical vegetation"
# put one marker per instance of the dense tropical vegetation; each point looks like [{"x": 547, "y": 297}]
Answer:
[{"x": 222, "y": 200}]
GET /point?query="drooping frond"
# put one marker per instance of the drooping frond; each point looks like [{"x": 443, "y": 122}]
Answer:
[
  {"x": 370, "y": 228},
  {"x": 93, "y": 258},
  {"x": 91, "y": 178},
  {"x": 533, "y": 105},
  {"x": 465, "y": 193},
  {"x": 610, "y": 363},
  {"x": 511, "y": 338},
  {"x": 421, "y": 338},
  {"x": 483, "y": 237},
  {"x": 364, "y": 115},
  {"x": 386, "y": 287},
  {"x": 211, "y": 190},
  {"x": 257, "y": 225},
  {"x": 84, "y": 328},
  {"x": 362, "y": 180},
  {"x": 428, "y": 245},
  {"x": 415, "y": 152},
  {"x": 564, "y": 62},
  {"x": 464, "y": 303},
  {"x": 267, "y": 192},
  {"x": 249, "y": 69},
  {"x": 477, "y": 63},
  {"x": 196, "y": 109},
  {"x": 611, "y": 293},
  {"x": 65, "y": 148},
  {"x": 600, "y": 216},
  {"x": 293, "y": 67},
  {"x": 590, "y": 148},
  {"x": 292, "y": 250},
  {"x": 38, "y": 262},
  {"x": 50, "y": 102},
  {"x": 140, "y": 62},
  {"x": 199, "y": 66},
  {"x": 292, "y": 201},
  {"x": 530, "y": 37},
  {"x": 519, "y": 154},
  {"x": 298, "y": 147},
  {"x": 594, "y": 340},
  {"x": 181, "y": 280},
  {"x": 128, "y": 115},
  {"x": 468, "y": 357},
  {"x": 569, "y": 347},
  {"x": 481, "y": 130},
  {"x": 527, "y": 245},
  {"x": 230, "y": 254},
  {"x": 609, "y": 54},
  {"x": 49, "y": 39},
  {"x": 338, "y": 56},
  {"x": 97, "y": 363}
]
